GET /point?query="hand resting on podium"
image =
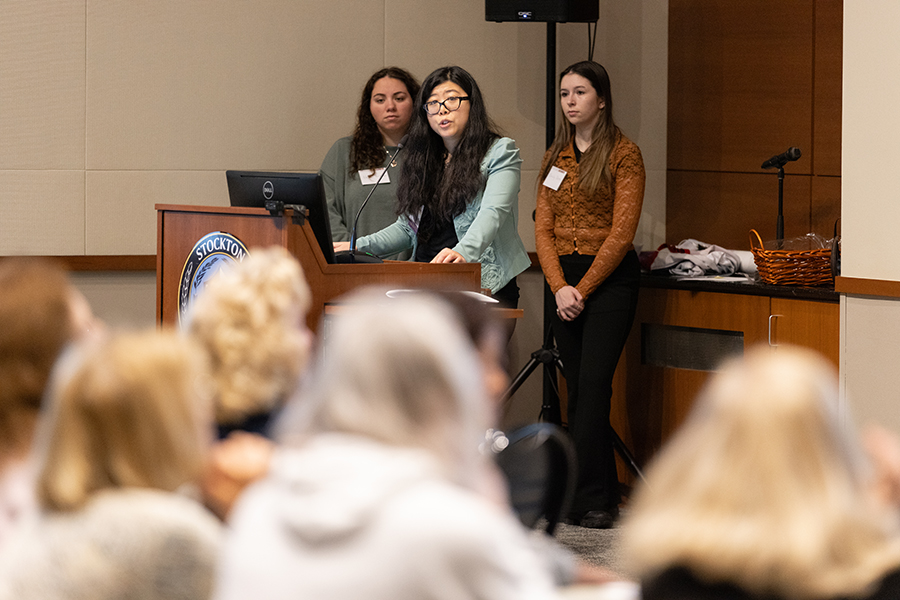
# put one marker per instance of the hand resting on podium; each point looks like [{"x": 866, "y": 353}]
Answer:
[{"x": 447, "y": 255}]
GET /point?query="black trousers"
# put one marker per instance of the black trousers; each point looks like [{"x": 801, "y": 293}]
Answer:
[
  {"x": 590, "y": 347},
  {"x": 508, "y": 297}
]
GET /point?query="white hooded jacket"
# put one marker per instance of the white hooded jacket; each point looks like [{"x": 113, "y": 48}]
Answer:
[{"x": 344, "y": 517}]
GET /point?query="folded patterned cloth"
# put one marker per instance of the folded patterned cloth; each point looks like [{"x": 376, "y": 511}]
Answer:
[{"x": 690, "y": 258}]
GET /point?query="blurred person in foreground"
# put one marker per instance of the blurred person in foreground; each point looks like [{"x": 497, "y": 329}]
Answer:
[
  {"x": 40, "y": 313},
  {"x": 127, "y": 423},
  {"x": 764, "y": 493},
  {"x": 486, "y": 332},
  {"x": 251, "y": 320},
  {"x": 378, "y": 489}
]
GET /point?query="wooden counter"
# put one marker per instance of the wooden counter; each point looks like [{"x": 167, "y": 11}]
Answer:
[{"x": 684, "y": 329}]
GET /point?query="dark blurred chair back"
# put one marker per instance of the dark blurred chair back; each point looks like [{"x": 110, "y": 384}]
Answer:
[{"x": 539, "y": 464}]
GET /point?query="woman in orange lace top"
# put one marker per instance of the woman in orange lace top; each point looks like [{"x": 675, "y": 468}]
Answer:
[{"x": 588, "y": 207}]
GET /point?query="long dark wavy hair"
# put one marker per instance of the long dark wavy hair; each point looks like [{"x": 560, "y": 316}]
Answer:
[
  {"x": 594, "y": 166},
  {"x": 367, "y": 145},
  {"x": 427, "y": 177}
]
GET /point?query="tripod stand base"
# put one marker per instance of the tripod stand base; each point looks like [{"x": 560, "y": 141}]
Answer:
[{"x": 549, "y": 357}]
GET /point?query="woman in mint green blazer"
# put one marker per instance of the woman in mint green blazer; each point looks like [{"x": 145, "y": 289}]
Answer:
[{"x": 459, "y": 188}]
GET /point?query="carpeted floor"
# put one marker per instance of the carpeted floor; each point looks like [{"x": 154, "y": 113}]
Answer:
[{"x": 596, "y": 546}]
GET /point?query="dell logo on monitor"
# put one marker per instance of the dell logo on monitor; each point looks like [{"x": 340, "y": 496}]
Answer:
[{"x": 268, "y": 190}]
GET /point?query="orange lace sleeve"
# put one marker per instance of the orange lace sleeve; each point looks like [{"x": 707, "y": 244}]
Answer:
[
  {"x": 628, "y": 169},
  {"x": 545, "y": 238}
]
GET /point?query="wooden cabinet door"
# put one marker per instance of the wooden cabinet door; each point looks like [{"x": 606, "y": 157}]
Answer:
[
  {"x": 815, "y": 325},
  {"x": 654, "y": 390},
  {"x": 652, "y": 397}
]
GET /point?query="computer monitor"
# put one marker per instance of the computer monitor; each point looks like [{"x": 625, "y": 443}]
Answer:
[{"x": 254, "y": 188}]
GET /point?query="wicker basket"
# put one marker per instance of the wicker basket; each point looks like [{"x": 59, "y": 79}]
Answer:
[{"x": 791, "y": 267}]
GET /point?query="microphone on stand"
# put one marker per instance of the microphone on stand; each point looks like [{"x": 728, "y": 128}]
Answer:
[
  {"x": 780, "y": 160},
  {"x": 352, "y": 255}
]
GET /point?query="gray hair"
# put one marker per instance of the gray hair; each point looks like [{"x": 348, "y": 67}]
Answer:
[{"x": 400, "y": 371}]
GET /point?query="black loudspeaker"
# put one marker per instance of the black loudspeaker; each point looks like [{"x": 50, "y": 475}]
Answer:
[{"x": 547, "y": 11}]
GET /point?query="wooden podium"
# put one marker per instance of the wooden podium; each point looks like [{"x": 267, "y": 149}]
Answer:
[{"x": 179, "y": 228}]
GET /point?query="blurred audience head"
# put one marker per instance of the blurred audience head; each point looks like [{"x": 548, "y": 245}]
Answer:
[
  {"x": 251, "y": 319},
  {"x": 40, "y": 312},
  {"x": 487, "y": 333},
  {"x": 400, "y": 371},
  {"x": 132, "y": 410},
  {"x": 765, "y": 487}
]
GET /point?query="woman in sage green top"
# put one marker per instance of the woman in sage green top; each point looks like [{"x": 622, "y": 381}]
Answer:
[{"x": 354, "y": 163}]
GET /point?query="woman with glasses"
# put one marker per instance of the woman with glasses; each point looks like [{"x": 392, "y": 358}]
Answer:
[
  {"x": 354, "y": 163},
  {"x": 591, "y": 187},
  {"x": 459, "y": 188}
]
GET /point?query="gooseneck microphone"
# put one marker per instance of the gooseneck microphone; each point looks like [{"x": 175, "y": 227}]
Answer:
[
  {"x": 780, "y": 160},
  {"x": 351, "y": 255}
]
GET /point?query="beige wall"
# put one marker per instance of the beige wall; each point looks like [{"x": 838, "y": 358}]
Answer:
[
  {"x": 870, "y": 347},
  {"x": 870, "y": 177},
  {"x": 120, "y": 299},
  {"x": 869, "y": 360},
  {"x": 109, "y": 107}
]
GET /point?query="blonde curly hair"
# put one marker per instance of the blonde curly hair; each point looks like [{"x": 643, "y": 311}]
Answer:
[{"x": 252, "y": 321}]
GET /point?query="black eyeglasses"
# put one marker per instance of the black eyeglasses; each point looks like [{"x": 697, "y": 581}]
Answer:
[{"x": 452, "y": 103}]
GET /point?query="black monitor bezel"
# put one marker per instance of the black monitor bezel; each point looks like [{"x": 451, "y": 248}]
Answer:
[{"x": 246, "y": 188}]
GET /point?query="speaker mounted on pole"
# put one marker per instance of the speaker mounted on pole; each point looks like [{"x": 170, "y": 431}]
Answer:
[{"x": 542, "y": 11}]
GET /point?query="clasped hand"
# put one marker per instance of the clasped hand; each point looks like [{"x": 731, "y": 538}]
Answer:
[{"x": 569, "y": 303}]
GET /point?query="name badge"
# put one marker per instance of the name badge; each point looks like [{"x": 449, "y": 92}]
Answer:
[
  {"x": 367, "y": 177},
  {"x": 554, "y": 178}
]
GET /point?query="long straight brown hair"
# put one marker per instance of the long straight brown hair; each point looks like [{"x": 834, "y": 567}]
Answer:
[{"x": 594, "y": 166}]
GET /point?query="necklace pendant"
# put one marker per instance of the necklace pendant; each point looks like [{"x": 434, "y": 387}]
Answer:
[{"x": 388, "y": 154}]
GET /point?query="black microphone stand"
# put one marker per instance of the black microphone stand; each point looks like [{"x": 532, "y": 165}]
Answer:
[
  {"x": 779, "y": 223},
  {"x": 778, "y": 161}
]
